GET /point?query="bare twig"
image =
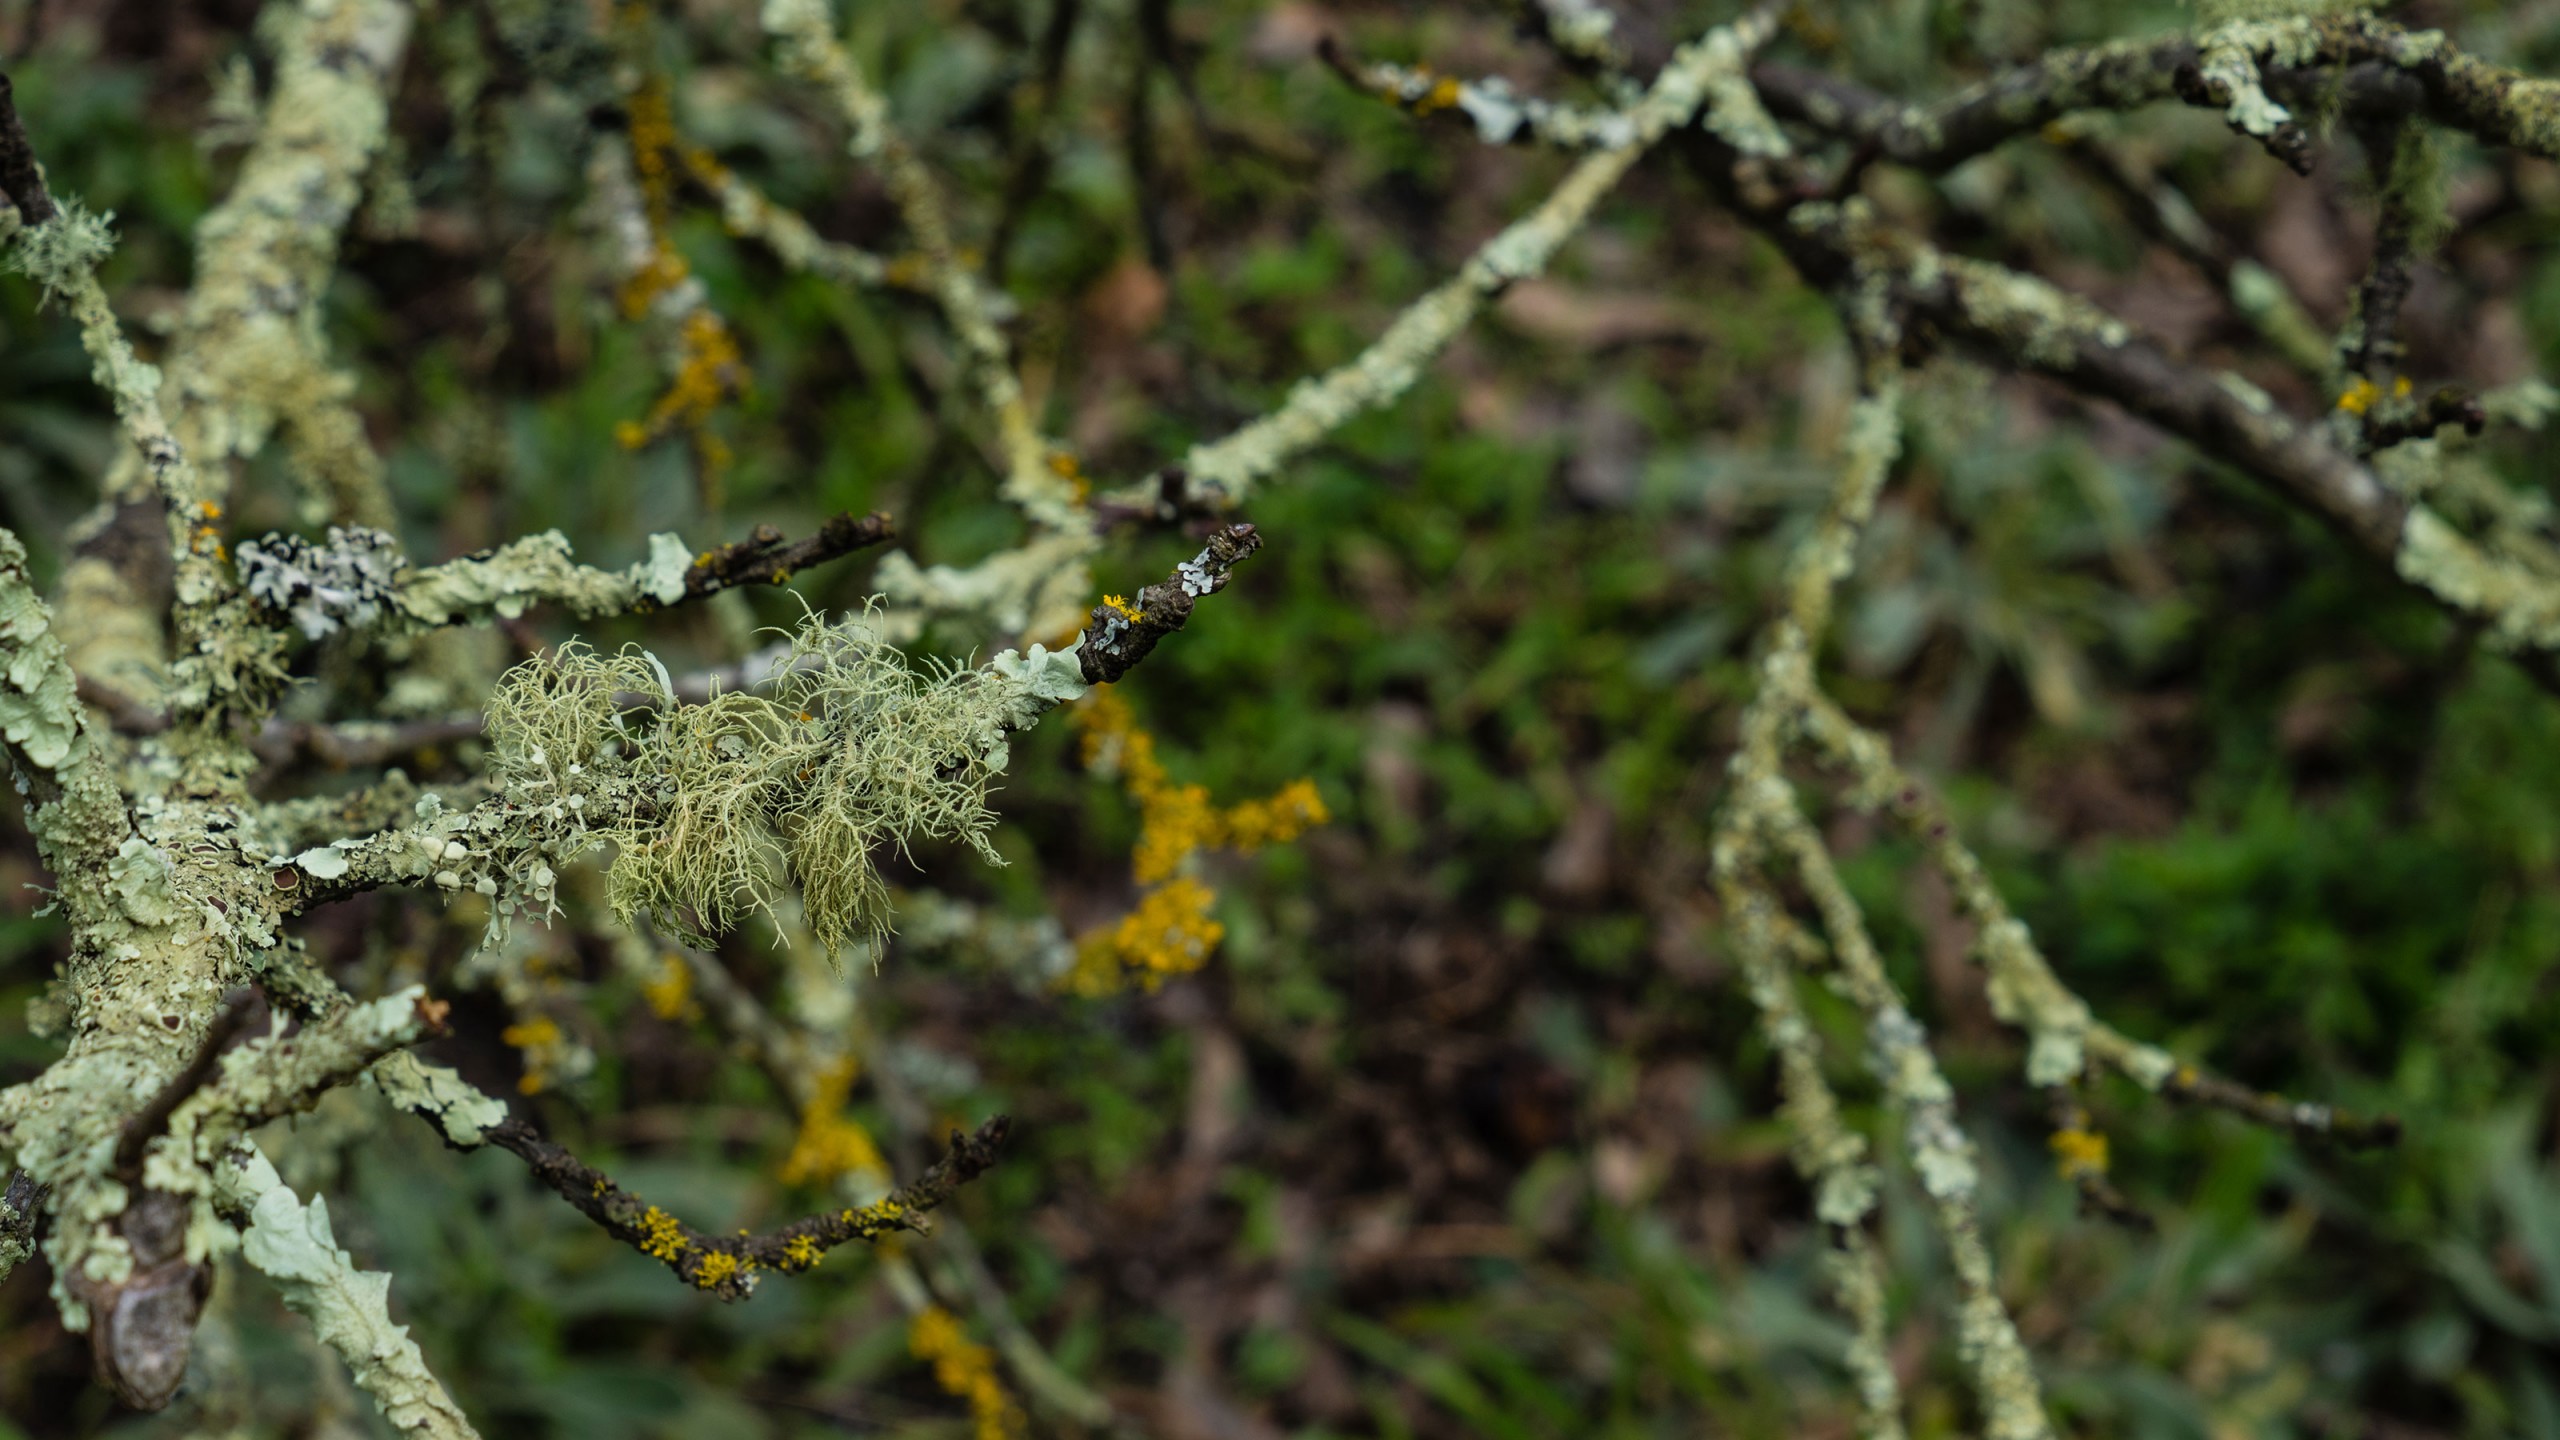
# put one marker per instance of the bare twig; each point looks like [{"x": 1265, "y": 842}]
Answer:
[
  {"x": 766, "y": 558},
  {"x": 21, "y": 179}
]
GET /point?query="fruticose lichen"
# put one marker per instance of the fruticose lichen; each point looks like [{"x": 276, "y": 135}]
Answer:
[{"x": 714, "y": 808}]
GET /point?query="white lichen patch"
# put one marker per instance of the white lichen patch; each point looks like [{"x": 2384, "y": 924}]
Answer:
[{"x": 349, "y": 583}]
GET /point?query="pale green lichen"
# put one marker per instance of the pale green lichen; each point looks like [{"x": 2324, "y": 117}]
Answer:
[
  {"x": 1704, "y": 74},
  {"x": 63, "y": 254},
  {"x": 2228, "y": 59},
  {"x": 713, "y": 809},
  {"x": 143, "y": 877},
  {"x": 437, "y": 1095},
  {"x": 2044, "y": 323},
  {"x": 2519, "y": 602},
  {"x": 1038, "y": 588},
  {"x": 293, "y": 1245},
  {"x": 505, "y": 582},
  {"x": 39, "y": 709},
  {"x": 804, "y": 33},
  {"x": 1584, "y": 29}
]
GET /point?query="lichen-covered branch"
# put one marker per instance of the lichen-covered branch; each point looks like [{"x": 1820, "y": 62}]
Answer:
[
  {"x": 278, "y": 1075},
  {"x": 804, "y": 31},
  {"x": 1499, "y": 114},
  {"x": 1893, "y": 280},
  {"x": 2231, "y": 68},
  {"x": 293, "y": 1245},
  {"x": 750, "y": 214},
  {"x": 1120, "y": 634},
  {"x": 247, "y": 356},
  {"x": 1829, "y": 1155},
  {"x": 1898, "y": 1052},
  {"x": 729, "y": 1266},
  {"x": 1702, "y": 82},
  {"x": 75, "y": 810},
  {"x": 1762, "y": 823},
  {"x": 766, "y": 557},
  {"x": 2064, "y": 1038},
  {"x": 360, "y": 579}
]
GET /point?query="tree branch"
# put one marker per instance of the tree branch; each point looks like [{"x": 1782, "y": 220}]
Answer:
[
  {"x": 728, "y": 1265},
  {"x": 21, "y": 179}
]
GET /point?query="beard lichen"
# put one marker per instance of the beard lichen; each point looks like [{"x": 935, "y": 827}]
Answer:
[{"x": 715, "y": 810}]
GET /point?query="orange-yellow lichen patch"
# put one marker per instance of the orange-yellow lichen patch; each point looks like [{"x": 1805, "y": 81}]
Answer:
[
  {"x": 801, "y": 1253},
  {"x": 966, "y": 1369},
  {"x": 670, "y": 991},
  {"x": 718, "y": 1268},
  {"x": 537, "y": 1038},
  {"x": 1441, "y": 94},
  {"x": 2079, "y": 1153},
  {"x": 1170, "y": 932},
  {"x": 661, "y": 1236},
  {"x": 829, "y": 1144},
  {"x": 2362, "y": 395}
]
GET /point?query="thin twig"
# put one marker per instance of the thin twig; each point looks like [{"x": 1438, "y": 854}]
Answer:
[
  {"x": 728, "y": 1265},
  {"x": 21, "y": 179}
]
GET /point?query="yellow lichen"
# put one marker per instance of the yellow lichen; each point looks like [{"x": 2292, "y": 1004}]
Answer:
[
  {"x": 801, "y": 1253},
  {"x": 830, "y": 1145},
  {"x": 965, "y": 1369},
  {"x": 1170, "y": 932},
  {"x": 2079, "y": 1153},
  {"x": 661, "y": 1237},
  {"x": 717, "y": 1268},
  {"x": 2361, "y": 396},
  {"x": 708, "y": 365},
  {"x": 670, "y": 993},
  {"x": 540, "y": 1040},
  {"x": 1442, "y": 94}
]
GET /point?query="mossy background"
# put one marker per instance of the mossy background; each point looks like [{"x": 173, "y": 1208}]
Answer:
[{"x": 1466, "y": 1131}]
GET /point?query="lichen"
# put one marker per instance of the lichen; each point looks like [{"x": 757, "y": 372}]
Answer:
[
  {"x": 2520, "y": 603},
  {"x": 1705, "y": 74},
  {"x": 438, "y": 1095},
  {"x": 713, "y": 809},
  {"x": 349, "y": 1309},
  {"x": 349, "y": 583},
  {"x": 63, "y": 254},
  {"x": 39, "y": 707}
]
